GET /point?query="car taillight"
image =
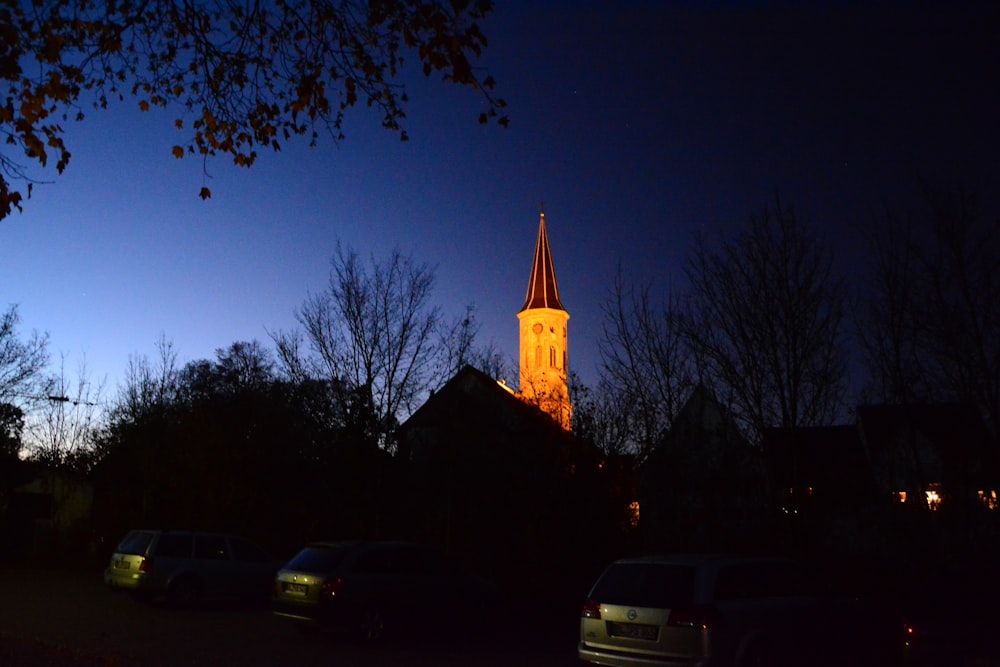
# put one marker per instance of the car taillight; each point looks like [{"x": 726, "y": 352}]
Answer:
[
  {"x": 702, "y": 617},
  {"x": 332, "y": 588},
  {"x": 146, "y": 565},
  {"x": 909, "y": 635},
  {"x": 591, "y": 609}
]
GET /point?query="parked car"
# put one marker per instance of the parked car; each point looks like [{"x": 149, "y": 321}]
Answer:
[
  {"x": 380, "y": 589},
  {"x": 185, "y": 566},
  {"x": 723, "y": 610}
]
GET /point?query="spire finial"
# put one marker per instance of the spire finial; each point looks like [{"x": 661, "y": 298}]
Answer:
[{"x": 542, "y": 207}]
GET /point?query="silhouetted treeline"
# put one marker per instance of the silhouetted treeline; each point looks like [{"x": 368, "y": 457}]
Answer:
[
  {"x": 230, "y": 445},
  {"x": 770, "y": 326}
]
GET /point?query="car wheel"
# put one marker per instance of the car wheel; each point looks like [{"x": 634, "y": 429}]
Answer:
[
  {"x": 373, "y": 625},
  {"x": 184, "y": 592}
]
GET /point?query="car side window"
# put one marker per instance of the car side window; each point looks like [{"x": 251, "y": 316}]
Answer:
[
  {"x": 247, "y": 551},
  {"x": 758, "y": 579},
  {"x": 426, "y": 561},
  {"x": 411, "y": 561},
  {"x": 375, "y": 561},
  {"x": 211, "y": 547},
  {"x": 174, "y": 545}
]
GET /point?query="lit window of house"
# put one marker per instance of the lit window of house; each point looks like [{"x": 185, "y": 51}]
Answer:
[
  {"x": 900, "y": 496},
  {"x": 933, "y": 497},
  {"x": 988, "y": 499},
  {"x": 633, "y": 514}
]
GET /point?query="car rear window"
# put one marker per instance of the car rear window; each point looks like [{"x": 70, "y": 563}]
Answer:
[
  {"x": 660, "y": 585},
  {"x": 317, "y": 558},
  {"x": 135, "y": 543}
]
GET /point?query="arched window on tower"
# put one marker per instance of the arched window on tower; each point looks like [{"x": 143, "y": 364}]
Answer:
[
  {"x": 538, "y": 356},
  {"x": 552, "y": 357}
]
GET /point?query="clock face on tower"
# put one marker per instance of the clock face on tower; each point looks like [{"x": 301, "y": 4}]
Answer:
[{"x": 537, "y": 328}]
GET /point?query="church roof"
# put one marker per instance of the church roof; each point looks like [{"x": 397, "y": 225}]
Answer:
[{"x": 542, "y": 289}]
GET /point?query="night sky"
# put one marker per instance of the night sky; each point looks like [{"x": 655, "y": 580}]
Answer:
[{"x": 637, "y": 127}]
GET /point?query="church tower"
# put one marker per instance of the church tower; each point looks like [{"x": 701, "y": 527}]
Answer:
[{"x": 543, "y": 351}]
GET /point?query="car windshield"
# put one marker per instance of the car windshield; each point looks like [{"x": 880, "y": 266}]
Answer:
[
  {"x": 135, "y": 542},
  {"x": 318, "y": 558},
  {"x": 664, "y": 586}
]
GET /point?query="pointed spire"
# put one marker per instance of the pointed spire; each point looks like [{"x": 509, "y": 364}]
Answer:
[{"x": 542, "y": 289}]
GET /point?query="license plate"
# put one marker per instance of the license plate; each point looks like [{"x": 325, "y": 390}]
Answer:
[
  {"x": 296, "y": 589},
  {"x": 122, "y": 564},
  {"x": 633, "y": 631}
]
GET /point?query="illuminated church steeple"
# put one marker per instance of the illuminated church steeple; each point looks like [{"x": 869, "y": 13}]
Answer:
[{"x": 543, "y": 351}]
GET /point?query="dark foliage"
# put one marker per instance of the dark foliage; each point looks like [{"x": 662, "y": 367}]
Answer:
[{"x": 250, "y": 453}]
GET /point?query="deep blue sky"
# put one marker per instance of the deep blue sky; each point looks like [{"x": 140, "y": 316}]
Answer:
[{"x": 637, "y": 126}]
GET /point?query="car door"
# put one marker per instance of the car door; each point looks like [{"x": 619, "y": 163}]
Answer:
[
  {"x": 253, "y": 568},
  {"x": 214, "y": 565},
  {"x": 392, "y": 577},
  {"x": 172, "y": 557}
]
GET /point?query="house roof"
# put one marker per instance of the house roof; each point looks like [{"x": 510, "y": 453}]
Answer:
[
  {"x": 470, "y": 385},
  {"x": 955, "y": 432},
  {"x": 819, "y": 456},
  {"x": 704, "y": 415},
  {"x": 543, "y": 292},
  {"x": 475, "y": 404}
]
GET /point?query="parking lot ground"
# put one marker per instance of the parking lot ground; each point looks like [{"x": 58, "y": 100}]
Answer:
[
  {"x": 17, "y": 652},
  {"x": 63, "y": 618},
  {"x": 57, "y": 618}
]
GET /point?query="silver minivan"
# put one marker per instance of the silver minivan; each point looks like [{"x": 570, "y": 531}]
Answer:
[
  {"x": 698, "y": 610},
  {"x": 184, "y": 566}
]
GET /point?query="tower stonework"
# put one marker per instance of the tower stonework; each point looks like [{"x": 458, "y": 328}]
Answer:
[{"x": 544, "y": 356}]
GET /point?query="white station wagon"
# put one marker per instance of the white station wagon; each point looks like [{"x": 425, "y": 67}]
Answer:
[{"x": 699, "y": 610}]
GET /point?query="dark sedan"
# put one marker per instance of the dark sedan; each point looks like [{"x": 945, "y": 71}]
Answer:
[{"x": 379, "y": 589}]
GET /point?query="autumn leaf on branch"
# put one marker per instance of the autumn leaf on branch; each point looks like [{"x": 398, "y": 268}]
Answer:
[{"x": 251, "y": 74}]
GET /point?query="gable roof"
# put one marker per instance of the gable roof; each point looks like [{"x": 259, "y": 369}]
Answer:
[
  {"x": 702, "y": 415},
  {"x": 476, "y": 406},
  {"x": 820, "y": 456},
  {"x": 953, "y": 434}
]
